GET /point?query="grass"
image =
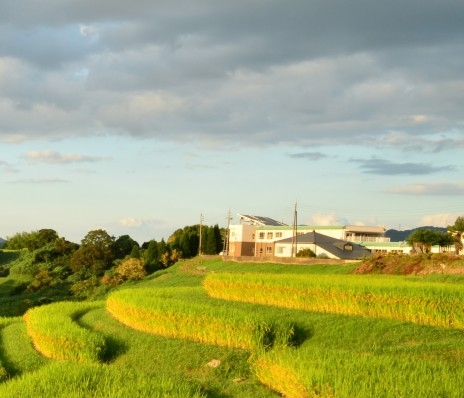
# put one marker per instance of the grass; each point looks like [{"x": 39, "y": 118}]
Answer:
[
  {"x": 56, "y": 335},
  {"x": 16, "y": 351},
  {"x": 171, "y": 312},
  {"x": 335, "y": 355},
  {"x": 316, "y": 371},
  {"x": 438, "y": 304},
  {"x": 66, "y": 379}
]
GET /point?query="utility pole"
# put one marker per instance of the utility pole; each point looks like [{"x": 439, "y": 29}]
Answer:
[
  {"x": 201, "y": 227},
  {"x": 226, "y": 238},
  {"x": 295, "y": 233}
]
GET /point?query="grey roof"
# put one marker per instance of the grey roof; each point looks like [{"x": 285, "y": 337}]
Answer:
[
  {"x": 331, "y": 245},
  {"x": 258, "y": 220}
]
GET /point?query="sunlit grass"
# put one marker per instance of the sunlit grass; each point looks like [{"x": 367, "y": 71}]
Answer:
[
  {"x": 343, "y": 373},
  {"x": 336, "y": 355},
  {"x": 70, "y": 380},
  {"x": 162, "y": 312},
  {"x": 437, "y": 304},
  {"x": 56, "y": 335},
  {"x": 16, "y": 351}
]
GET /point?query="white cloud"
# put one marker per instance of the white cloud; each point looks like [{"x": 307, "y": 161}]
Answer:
[
  {"x": 56, "y": 157},
  {"x": 130, "y": 222},
  {"x": 430, "y": 189},
  {"x": 327, "y": 219},
  {"x": 439, "y": 220},
  {"x": 88, "y": 30},
  {"x": 135, "y": 222}
]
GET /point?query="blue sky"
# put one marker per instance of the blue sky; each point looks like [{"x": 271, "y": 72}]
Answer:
[{"x": 139, "y": 116}]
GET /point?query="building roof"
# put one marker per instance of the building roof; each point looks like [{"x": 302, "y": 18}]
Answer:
[
  {"x": 338, "y": 247},
  {"x": 301, "y": 227},
  {"x": 258, "y": 220}
]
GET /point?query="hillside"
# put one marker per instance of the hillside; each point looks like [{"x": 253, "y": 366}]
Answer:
[
  {"x": 232, "y": 340},
  {"x": 400, "y": 236}
]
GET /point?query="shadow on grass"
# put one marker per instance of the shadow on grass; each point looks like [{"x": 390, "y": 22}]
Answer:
[
  {"x": 114, "y": 349},
  {"x": 301, "y": 335}
]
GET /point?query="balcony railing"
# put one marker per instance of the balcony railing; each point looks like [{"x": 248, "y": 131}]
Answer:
[{"x": 368, "y": 239}]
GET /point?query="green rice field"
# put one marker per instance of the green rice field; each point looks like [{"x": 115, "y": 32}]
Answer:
[{"x": 213, "y": 329}]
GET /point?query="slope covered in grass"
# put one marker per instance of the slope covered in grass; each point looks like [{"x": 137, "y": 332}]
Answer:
[{"x": 334, "y": 355}]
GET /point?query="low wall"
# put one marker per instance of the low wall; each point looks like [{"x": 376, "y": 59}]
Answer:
[{"x": 286, "y": 260}]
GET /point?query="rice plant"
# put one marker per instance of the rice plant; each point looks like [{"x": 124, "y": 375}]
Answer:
[
  {"x": 56, "y": 335},
  {"x": 437, "y": 304},
  {"x": 314, "y": 371},
  {"x": 70, "y": 380},
  {"x": 162, "y": 312}
]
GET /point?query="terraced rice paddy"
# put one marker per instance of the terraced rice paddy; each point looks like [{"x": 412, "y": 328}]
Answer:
[
  {"x": 378, "y": 297},
  {"x": 215, "y": 330}
]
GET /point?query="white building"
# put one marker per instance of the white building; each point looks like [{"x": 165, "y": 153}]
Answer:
[{"x": 259, "y": 236}]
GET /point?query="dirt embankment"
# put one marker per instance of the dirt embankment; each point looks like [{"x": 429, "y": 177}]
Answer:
[{"x": 407, "y": 264}]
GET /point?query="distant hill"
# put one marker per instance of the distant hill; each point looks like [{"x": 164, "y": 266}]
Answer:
[
  {"x": 400, "y": 236},
  {"x": 2, "y": 241}
]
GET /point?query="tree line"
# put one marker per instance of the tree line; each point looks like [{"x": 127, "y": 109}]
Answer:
[
  {"x": 100, "y": 260},
  {"x": 422, "y": 240}
]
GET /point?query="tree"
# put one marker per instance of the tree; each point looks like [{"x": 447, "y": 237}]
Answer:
[
  {"x": 95, "y": 254},
  {"x": 457, "y": 231},
  {"x": 422, "y": 240},
  {"x": 152, "y": 256},
  {"x": 124, "y": 245},
  {"x": 187, "y": 240},
  {"x": 46, "y": 236},
  {"x": 135, "y": 252},
  {"x": 31, "y": 240}
]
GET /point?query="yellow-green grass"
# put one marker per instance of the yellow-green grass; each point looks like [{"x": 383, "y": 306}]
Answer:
[
  {"x": 169, "y": 312},
  {"x": 3, "y": 323},
  {"x": 70, "y": 380},
  {"x": 314, "y": 371},
  {"x": 156, "y": 355},
  {"x": 16, "y": 352},
  {"x": 438, "y": 304},
  {"x": 55, "y": 333}
]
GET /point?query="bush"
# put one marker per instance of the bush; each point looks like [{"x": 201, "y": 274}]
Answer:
[
  {"x": 85, "y": 288},
  {"x": 305, "y": 253},
  {"x": 131, "y": 269}
]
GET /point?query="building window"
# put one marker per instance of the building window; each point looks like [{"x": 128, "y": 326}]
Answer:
[
  {"x": 269, "y": 235},
  {"x": 278, "y": 234},
  {"x": 269, "y": 250},
  {"x": 279, "y": 249},
  {"x": 261, "y": 235}
]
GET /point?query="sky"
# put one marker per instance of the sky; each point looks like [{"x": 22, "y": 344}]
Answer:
[{"x": 141, "y": 117}]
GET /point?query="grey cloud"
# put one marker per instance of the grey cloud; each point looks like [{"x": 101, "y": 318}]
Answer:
[
  {"x": 386, "y": 167},
  {"x": 7, "y": 167},
  {"x": 429, "y": 189},
  {"x": 308, "y": 155},
  {"x": 235, "y": 73}
]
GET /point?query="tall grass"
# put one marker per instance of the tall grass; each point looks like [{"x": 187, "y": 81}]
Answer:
[
  {"x": 314, "y": 371},
  {"x": 3, "y": 323},
  {"x": 159, "y": 311},
  {"x": 437, "y": 304},
  {"x": 69, "y": 380},
  {"x": 56, "y": 335}
]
